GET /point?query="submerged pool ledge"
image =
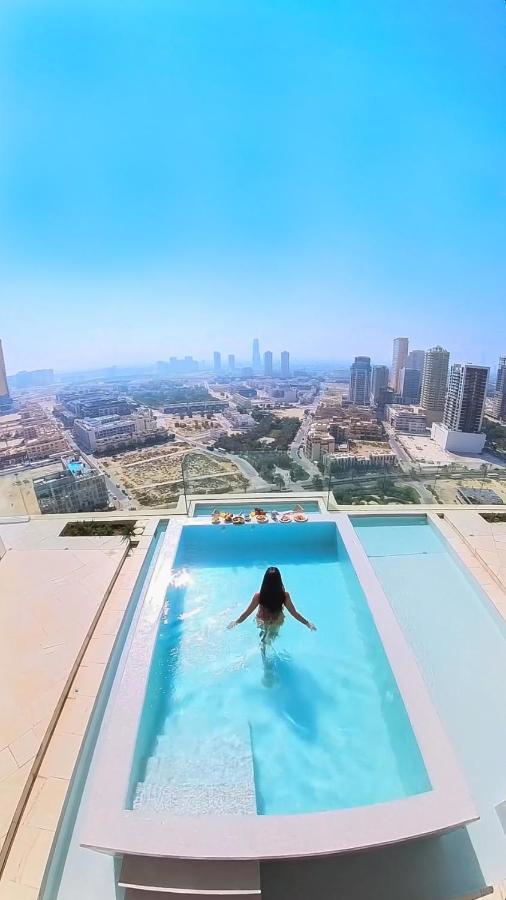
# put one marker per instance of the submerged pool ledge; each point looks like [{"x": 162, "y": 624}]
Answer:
[{"x": 110, "y": 827}]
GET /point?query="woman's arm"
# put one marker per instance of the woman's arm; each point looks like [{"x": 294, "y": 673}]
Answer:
[
  {"x": 247, "y": 612},
  {"x": 293, "y": 612}
]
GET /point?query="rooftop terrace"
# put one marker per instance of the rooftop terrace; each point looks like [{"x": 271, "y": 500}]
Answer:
[{"x": 61, "y": 648}]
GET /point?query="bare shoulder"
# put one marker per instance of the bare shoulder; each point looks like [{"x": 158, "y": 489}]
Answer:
[{"x": 288, "y": 600}]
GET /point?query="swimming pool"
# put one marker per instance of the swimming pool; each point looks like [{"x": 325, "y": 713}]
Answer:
[
  {"x": 459, "y": 640},
  {"x": 328, "y": 744},
  {"x": 77, "y": 468},
  {"x": 316, "y": 724},
  {"x": 205, "y": 509}
]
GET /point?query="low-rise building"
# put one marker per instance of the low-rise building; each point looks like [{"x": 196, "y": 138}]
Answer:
[
  {"x": 68, "y": 492},
  {"x": 196, "y": 406},
  {"x": 362, "y": 456},
  {"x": 30, "y": 436},
  {"x": 407, "y": 419},
  {"x": 319, "y": 442},
  {"x": 90, "y": 404},
  {"x": 107, "y": 434},
  {"x": 239, "y": 421}
]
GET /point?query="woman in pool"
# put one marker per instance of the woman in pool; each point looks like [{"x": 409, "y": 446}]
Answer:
[{"x": 270, "y": 602}]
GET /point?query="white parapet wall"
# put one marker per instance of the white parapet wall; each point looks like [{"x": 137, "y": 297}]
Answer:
[{"x": 457, "y": 441}]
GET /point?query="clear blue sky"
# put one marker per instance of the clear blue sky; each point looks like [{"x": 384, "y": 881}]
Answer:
[{"x": 182, "y": 175}]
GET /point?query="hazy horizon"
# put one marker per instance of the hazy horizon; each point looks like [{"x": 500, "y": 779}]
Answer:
[{"x": 179, "y": 178}]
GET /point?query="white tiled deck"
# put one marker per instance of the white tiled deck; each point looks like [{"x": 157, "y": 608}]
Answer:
[
  {"x": 50, "y": 594},
  {"x": 69, "y": 565}
]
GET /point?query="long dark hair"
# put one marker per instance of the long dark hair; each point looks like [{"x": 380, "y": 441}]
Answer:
[{"x": 272, "y": 592}]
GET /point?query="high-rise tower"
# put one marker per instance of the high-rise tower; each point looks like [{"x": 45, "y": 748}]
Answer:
[
  {"x": 255, "y": 359},
  {"x": 285, "y": 364},
  {"x": 500, "y": 390},
  {"x": 360, "y": 381},
  {"x": 399, "y": 356},
  {"x": 460, "y": 431},
  {"x": 434, "y": 383},
  {"x": 5, "y": 398}
]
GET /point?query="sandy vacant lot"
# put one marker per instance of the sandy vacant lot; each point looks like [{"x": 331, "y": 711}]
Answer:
[
  {"x": 447, "y": 488},
  {"x": 295, "y": 412},
  {"x": 153, "y": 476},
  {"x": 17, "y": 497}
]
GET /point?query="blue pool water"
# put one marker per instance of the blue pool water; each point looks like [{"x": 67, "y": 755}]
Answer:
[
  {"x": 318, "y": 724},
  {"x": 77, "y": 468},
  {"x": 205, "y": 509},
  {"x": 459, "y": 640}
]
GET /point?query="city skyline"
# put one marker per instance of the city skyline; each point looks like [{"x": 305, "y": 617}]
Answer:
[
  {"x": 334, "y": 171},
  {"x": 241, "y": 359}
]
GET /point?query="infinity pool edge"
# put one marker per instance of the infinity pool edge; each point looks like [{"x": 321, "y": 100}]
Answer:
[{"x": 111, "y": 828}]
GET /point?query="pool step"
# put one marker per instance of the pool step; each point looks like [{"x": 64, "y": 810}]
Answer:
[
  {"x": 220, "y": 779},
  {"x": 191, "y": 878}
]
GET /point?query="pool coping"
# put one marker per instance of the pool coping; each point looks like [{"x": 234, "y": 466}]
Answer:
[{"x": 111, "y": 828}]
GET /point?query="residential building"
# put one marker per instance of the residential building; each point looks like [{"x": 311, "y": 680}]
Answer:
[
  {"x": 30, "y": 436},
  {"x": 415, "y": 360},
  {"x": 239, "y": 421},
  {"x": 5, "y": 398},
  {"x": 362, "y": 457},
  {"x": 217, "y": 361},
  {"x": 195, "y": 406},
  {"x": 231, "y": 362},
  {"x": 285, "y": 364},
  {"x": 177, "y": 366},
  {"x": 434, "y": 383},
  {"x": 268, "y": 363},
  {"x": 107, "y": 434},
  {"x": 460, "y": 431},
  {"x": 399, "y": 356},
  {"x": 379, "y": 383},
  {"x": 255, "y": 357},
  {"x": 89, "y": 404},
  {"x": 38, "y": 378},
  {"x": 69, "y": 492},
  {"x": 407, "y": 419},
  {"x": 360, "y": 381},
  {"x": 318, "y": 443},
  {"x": 500, "y": 390},
  {"x": 409, "y": 385},
  {"x": 500, "y": 384}
]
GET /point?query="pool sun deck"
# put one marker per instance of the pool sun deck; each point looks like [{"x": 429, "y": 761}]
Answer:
[{"x": 291, "y": 859}]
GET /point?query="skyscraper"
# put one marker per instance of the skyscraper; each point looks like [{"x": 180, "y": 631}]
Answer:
[
  {"x": 500, "y": 384},
  {"x": 434, "y": 381},
  {"x": 231, "y": 362},
  {"x": 379, "y": 384},
  {"x": 500, "y": 390},
  {"x": 465, "y": 401},
  {"x": 217, "y": 361},
  {"x": 399, "y": 356},
  {"x": 360, "y": 381},
  {"x": 463, "y": 412},
  {"x": 409, "y": 385},
  {"x": 285, "y": 364},
  {"x": 268, "y": 363},
  {"x": 256, "y": 355},
  {"x": 5, "y": 398},
  {"x": 415, "y": 360}
]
